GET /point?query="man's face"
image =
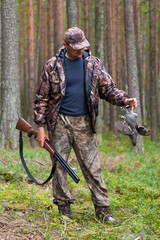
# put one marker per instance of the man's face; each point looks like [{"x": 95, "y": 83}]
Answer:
[{"x": 72, "y": 53}]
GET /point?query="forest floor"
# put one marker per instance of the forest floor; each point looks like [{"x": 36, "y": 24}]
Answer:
[{"x": 132, "y": 180}]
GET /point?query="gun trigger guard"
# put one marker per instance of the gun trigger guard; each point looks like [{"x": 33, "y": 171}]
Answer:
[
  {"x": 35, "y": 138},
  {"x": 30, "y": 133}
]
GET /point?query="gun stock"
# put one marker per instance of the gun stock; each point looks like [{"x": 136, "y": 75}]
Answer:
[{"x": 24, "y": 126}]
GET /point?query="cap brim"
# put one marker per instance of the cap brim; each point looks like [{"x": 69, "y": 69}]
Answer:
[{"x": 80, "y": 45}]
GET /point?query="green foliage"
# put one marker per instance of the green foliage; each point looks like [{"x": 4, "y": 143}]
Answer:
[{"x": 133, "y": 183}]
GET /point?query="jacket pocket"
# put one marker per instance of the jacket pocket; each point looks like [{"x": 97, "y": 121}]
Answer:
[{"x": 55, "y": 83}]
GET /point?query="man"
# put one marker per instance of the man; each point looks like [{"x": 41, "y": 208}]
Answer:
[{"x": 67, "y": 101}]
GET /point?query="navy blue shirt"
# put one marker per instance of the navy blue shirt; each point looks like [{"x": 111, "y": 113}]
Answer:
[{"x": 74, "y": 103}]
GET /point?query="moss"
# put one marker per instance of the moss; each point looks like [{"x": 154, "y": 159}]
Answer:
[{"x": 133, "y": 187}]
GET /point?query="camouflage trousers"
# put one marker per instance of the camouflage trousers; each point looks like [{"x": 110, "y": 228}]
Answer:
[{"x": 76, "y": 132}]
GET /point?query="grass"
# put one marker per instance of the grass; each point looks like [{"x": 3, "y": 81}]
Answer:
[{"x": 132, "y": 180}]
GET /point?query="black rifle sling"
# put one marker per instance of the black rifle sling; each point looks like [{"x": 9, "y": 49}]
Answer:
[{"x": 26, "y": 168}]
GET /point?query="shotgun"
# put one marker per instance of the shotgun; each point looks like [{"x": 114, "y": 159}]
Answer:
[{"x": 24, "y": 126}]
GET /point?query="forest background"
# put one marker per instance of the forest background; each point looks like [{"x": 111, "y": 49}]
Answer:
[{"x": 123, "y": 34}]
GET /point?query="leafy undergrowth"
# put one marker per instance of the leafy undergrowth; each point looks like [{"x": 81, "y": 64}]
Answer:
[{"x": 133, "y": 183}]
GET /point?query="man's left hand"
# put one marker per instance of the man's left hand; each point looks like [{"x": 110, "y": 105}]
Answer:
[{"x": 132, "y": 102}]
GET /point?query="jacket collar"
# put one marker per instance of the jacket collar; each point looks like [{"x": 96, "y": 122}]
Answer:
[{"x": 63, "y": 50}]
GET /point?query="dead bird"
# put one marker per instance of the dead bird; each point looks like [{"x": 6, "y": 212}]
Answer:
[{"x": 130, "y": 125}]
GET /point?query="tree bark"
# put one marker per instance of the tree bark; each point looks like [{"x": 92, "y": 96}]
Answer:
[
  {"x": 31, "y": 59},
  {"x": 72, "y": 13},
  {"x": 99, "y": 50},
  {"x": 111, "y": 52},
  {"x": 118, "y": 44},
  {"x": 157, "y": 57},
  {"x": 107, "y": 108},
  {"x": 58, "y": 25},
  {"x": 50, "y": 30},
  {"x": 79, "y": 13},
  {"x": 145, "y": 83},
  {"x": 108, "y": 41},
  {"x": 139, "y": 53},
  {"x": 124, "y": 83},
  {"x": 39, "y": 54},
  {"x": 0, "y": 61},
  {"x": 153, "y": 82},
  {"x": 45, "y": 31},
  {"x": 132, "y": 71},
  {"x": 114, "y": 59},
  {"x": 86, "y": 19},
  {"x": 25, "y": 64},
  {"x": 10, "y": 74}
]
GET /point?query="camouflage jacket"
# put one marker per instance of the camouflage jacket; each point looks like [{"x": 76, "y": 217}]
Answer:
[{"x": 52, "y": 88}]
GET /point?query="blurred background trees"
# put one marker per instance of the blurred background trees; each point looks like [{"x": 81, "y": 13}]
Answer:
[
  {"x": 124, "y": 34},
  {"x": 10, "y": 78}
]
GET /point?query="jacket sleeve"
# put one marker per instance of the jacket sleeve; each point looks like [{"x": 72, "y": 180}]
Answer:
[
  {"x": 42, "y": 97},
  {"x": 107, "y": 88}
]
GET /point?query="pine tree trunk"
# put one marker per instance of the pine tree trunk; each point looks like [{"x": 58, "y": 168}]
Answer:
[
  {"x": 153, "y": 82},
  {"x": 157, "y": 57},
  {"x": 79, "y": 13},
  {"x": 111, "y": 53},
  {"x": 105, "y": 104},
  {"x": 25, "y": 64},
  {"x": 31, "y": 58},
  {"x": 10, "y": 74},
  {"x": 0, "y": 62},
  {"x": 39, "y": 52},
  {"x": 114, "y": 59},
  {"x": 50, "y": 30},
  {"x": 132, "y": 71},
  {"x": 124, "y": 62},
  {"x": 58, "y": 25},
  {"x": 63, "y": 16},
  {"x": 45, "y": 31},
  {"x": 86, "y": 19},
  {"x": 143, "y": 66},
  {"x": 118, "y": 44},
  {"x": 72, "y": 13},
  {"x": 138, "y": 52},
  {"x": 109, "y": 44},
  {"x": 99, "y": 49}
]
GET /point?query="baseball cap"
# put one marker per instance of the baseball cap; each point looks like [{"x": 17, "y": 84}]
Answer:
[{"x": 75, "y": 38}]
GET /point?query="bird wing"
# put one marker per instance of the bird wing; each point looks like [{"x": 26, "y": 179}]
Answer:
[{"x": 123, "y": 127}]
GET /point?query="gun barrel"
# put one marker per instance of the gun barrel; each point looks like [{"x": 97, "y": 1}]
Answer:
[{"x": 63, "y": 162}]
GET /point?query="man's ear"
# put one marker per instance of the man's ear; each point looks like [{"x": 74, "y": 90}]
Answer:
[{"x": 64, "y": 43}]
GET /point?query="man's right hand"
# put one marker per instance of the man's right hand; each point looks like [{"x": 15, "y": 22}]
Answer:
[{"x": 41, "y": 136}]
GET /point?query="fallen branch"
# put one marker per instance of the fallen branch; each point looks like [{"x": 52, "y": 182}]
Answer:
[
  {"x": 90, "y": 217},
  {"x": 139, "y": 215}
]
